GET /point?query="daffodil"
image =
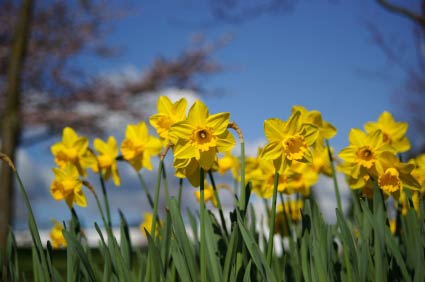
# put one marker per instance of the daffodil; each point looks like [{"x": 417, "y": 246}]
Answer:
[
  {"x": 72, "y": 149},
  {"x": 288, "y": 141},
  {"x": 108, "y": 152},
  {"x": 393, "y": 133},
  {"x": 146, "y": 225},
  {"x": 301, "y": 177},
  {"x": 228, "y": 162},
  {"x": 419, "y": 171},
  {"x": 201, "y": 136},
  {"x": 363, "y": 152},
  {"x": 168, "y": 114},
  {"x": 56, "y": 235},
  {"x": 325, "y": 129},
  {"x": 394, "y": 176},
  {"x": 68, "y": 186},
  {"x": 188, "y": 168},
  {"x": 208, "y": 194},
  {"x": 138, "y": 146},
  {"x": 321, "y": 162},
  {"x": 261, "y": 173}
]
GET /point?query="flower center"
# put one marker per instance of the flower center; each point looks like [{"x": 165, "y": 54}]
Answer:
[
  {"x": 203, "y": 139},
  {"x": 366, "y": 156},
  {"x": 295, "y": 147},
  {"x": 105, "y": 161},
  {"x": 390, "y": 181},
  {"x": 72, "y": 154}
]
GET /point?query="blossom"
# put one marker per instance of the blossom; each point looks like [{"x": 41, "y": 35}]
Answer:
[
  {"x": 288, "y": 141},
  {"x": 261, "y": 173},
  {"x": 301, "y": 177},
  {"x": 201, "y": 136},
  {"x": 363, "y": 152},
  {"x": 325, "y": 129},
  {"x": 228, "y": 162},
  {"x": 56, "y": 235},
  {"x": 168, "y": 114},
  {"x": 394, "y": 176},
  {"x": 208, "y": 194},
  {"x": 68, "y": 186},
  {"x": 72, "y": 149},
  {"x": 138, "y": 146},
  {"x": 108, "y": 152},
  {"x": 146, "y": 225},
  {"x": 419, "y": 171},
  {"x": 188, "y": 168},
  {"x": 393, "y": 133}
]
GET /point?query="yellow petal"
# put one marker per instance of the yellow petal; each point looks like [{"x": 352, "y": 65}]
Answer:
[
  {"x": 357, "y": 137},
  {"x": 198, "y": 114},
  {"x": 185, "y": 151},
  {"x": 272, "y": 151},
  {"x": 164, "y": 105},
  {"x": 218, "y": 122},
  {"x": 79, "y": 198},
  {"x": 181, "y": 130},
  {"x": 69, "y": 136},
  {"x": 207, "y": 158},
  {"x": 225, "y": 142},
  {"x": 273, "y": 129}
]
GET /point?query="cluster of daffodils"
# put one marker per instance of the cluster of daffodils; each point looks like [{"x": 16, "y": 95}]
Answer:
[
  {"x": 372, "y": 159},
  {"x": 296, "y": 150},
  {"x": 74, "y": 157}
]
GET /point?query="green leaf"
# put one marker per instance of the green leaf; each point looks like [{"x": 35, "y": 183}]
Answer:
[
  {"x": 125, "y": 241},
  {"x": 211, "y": 239},
  {"x": 181, "y": 236},
  {"x": 255, "y": 252},
  {"x": 75, "y": 245}
]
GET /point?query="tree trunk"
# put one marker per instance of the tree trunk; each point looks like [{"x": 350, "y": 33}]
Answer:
[{"x": 10, "y": 119}]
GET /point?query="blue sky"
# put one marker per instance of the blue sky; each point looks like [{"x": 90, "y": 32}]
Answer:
[{"x": 311, "y": 56}]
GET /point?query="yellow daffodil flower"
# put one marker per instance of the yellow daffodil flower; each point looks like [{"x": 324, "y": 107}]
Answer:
[
  {"x": 228, "y": 162},
  {"x": 68, "y": 186},
  {"x": 208, "y": 194},
  {"x": 168, "y": 114},
  {"x": 188, "y": 168},
  {"x": 419, "y": 171},
  {"x": 72, "y": 149},
  {"x": 201, "y": 136},
  {"x": 138, "y": 146},
  {"x": 393, "y": 133},
  {"x": 321, "y": 162},
  {"x": 326, "y": 130},
  {"x": 108, "y": 152},
  {"x": 146, "y": 225},
  {"x": 56, "y": 236},
  {"x": 363, "y": 152},
  {"x": 301, "y": 177},
  {"x": 288, "y": 141},
  {"x": 394, "y": 176},
  {"x": 261, "y": 173}
]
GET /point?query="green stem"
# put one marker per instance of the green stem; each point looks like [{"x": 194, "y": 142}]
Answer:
[
  {"x": 220, "y": 209},
  {"x": 242, "y": 199},
  {"x": 338, "y": 196},
  {"x": 180, "y": 192},
  {"x": 105, "y": 198},
  {"x": 145, "y": 188},
  {"x": 156, "y": 200},
  {"x": 203, "y": 243},
  {"x": 273, "y": 215},
  {"x": 164, "y": 177}
]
